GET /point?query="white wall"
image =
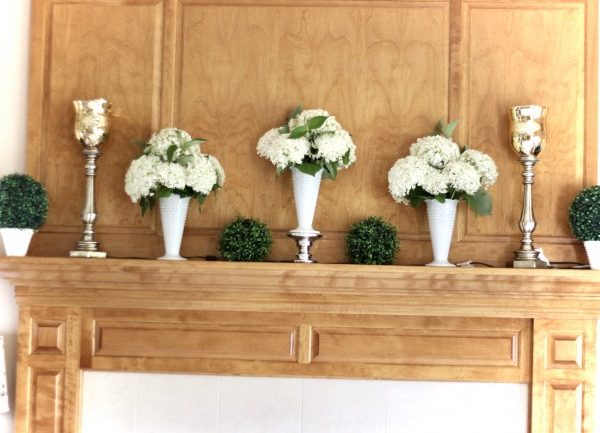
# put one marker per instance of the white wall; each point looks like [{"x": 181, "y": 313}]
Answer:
[
  {"x": 14, "y": 48},
  {"x": 129, "y": 403}
]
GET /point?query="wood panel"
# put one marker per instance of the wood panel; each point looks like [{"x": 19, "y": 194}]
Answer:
[
  {"x": 563, "y": 387},
  {"x": 273, "y": 343},
  {"x": 517, "y": 54},
  {"x": 172, "y": 340},
  {"x": 388, "y": 70},
  {"x": 334, "y": 321},
  {"x": 48, "y": 370}
]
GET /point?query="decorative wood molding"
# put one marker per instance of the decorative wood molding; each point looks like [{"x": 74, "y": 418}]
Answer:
[{"x": 412, "y": 323}]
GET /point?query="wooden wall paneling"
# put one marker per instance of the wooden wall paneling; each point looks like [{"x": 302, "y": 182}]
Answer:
[
  {"x": 48, "y": 378},
  {"x": 564, "y": 376},
  {"x": 518, "y": 53},
  {"x": 83, "y": 50},
  {"x": 231, "y": 70}
]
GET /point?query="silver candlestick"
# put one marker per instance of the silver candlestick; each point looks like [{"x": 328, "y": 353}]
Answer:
[
  {"x": 528, "y": 138},
  {"x": 304, "y": 242},
  {"x": 92, "y": 126}
]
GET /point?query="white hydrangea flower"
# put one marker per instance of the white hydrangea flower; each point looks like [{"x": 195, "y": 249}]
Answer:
[
  {"x": 330, "y": 147},
  {"x": 218, "y": 170},
  {"x": 484, "y": 165},
  {"x": 406, "y": 174},
  {"x": 462, "y": 176},
  {"x": 437, "y": 150},
  {"x": 435, "y": 182},
  {"x": 141, "y": 178},
  {"x": 331, "y": 124},
  {"x": 165, "y": 138},
  {"x": 281, "y": 150},
  {"x": 201, "y": 174},
  {"x": 171, "y": 175},
  {"x": 152, "y": 170}
]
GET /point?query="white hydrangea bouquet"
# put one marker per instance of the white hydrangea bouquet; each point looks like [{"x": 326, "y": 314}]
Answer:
[
  {"x": 172, "y": 163},
  {"x": 437, "y": 168},
  {"x": 311, "y": 140}
]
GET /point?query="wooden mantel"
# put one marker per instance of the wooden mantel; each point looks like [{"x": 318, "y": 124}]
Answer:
[{"x": 278, "y": 319}]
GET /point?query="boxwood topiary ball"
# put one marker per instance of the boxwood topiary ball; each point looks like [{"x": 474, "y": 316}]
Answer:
[
  {"x": 245, "y": 240},
  {"x": 23, "y": 202},
  {"x": 584, "y": 214},
  {"x": 372, "y": 242}
]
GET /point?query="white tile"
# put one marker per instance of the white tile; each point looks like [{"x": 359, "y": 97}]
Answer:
[
  {"x": 108, "y": 402},
  {"x": 456, "y": 407},
  {"x": 343, "y": 406},
  {"x": 177, "y": 403},
  {"x": 260, "y": 405}
]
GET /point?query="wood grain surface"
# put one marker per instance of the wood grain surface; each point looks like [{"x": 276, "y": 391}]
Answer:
[{"x": 388, "y": 70}]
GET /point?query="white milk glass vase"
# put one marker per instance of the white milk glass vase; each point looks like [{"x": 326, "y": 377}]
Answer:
[
  {"x": 441, "y": 218},
  {"x": 16, "y": 241},
  {"x": 173, "y": 212},
  {"x": 592, "y": 249},
  {"x": 306, "y": 193}
]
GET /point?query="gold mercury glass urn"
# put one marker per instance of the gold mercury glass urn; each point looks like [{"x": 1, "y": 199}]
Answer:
[
  {"x": 527, "y": 138},
  {"x": 92, "y": 126}
]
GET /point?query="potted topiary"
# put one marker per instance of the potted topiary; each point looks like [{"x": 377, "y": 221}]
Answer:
[
  {"x": 372, "y": 242},
  {"x": 584, "y": 218},
  {"x": 245, "y": 240},
  {"x": 23, "y": 209}
]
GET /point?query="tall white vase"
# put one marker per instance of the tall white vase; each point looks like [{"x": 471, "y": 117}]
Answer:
[
  {"x": 441, "y": 218},
  {"x": 173, "y": 211},
  {"x": 306, "y": 193}
]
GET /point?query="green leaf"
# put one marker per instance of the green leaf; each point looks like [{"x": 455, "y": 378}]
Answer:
[
  {"x": 417, "y": 196},
  {"x": 199, "y": 140},
  {"x": 280, "y": 170},
  {"x": 200, "y": 198},
  {"x": 184, "y": 160},
  {"x": 189, "y": 144},
  {"x": 450, "y": 127},
  {"x": 346, "y": 158},
  {"x": 316, "y": 122},
  {"x": 163, "y": 192},
  {"x": 171, "y": 152},
  {"x": 298, "y": 132},
  {"x": 441, "y": 198},
  {"x": 296, "y": 111},
  {"x": 439, "y": 128},
  {"x": 140, "y": 144},
  {"x": 309, "y": 167},
  {"x": 480, "y": 202},
  {"x": 331, "y": 169},
  {"x": 144, "y": 204},
  {"x": 285, "y": 129}
]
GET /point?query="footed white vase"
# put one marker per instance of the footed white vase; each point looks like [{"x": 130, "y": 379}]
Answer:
[
  {"x": 173, "y": 211},
  {"x": 306, "y": 193},
  {"x": 16, "y": 241},
  {"x": 441, "y": 218},
  {"x": 592, "y": 249}
]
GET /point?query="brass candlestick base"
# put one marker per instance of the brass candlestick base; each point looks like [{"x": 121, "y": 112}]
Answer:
[
  {"x": 528, "y": 137},
  {"x": 91, "y": 129},
  {"x": 304, "y": 241}
]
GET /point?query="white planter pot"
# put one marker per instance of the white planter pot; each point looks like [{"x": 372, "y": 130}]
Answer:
[
  {"x": 16, "y": 241},
  {"x": 441, "y": 218},
  {"x": 592, "y": 248},
  {"x": 173, "y": 211},
  {"x": 306, "y": 193}
]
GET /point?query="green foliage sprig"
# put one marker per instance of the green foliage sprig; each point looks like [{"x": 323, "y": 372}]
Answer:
[
  {"x": 23, "y": 202},
  {"x": 245, "y": 240},
  {"x": 584, "y": 214},
  {"x": 372, "y": 241}
]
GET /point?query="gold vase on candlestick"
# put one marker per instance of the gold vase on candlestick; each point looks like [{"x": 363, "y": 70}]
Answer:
[
  {"x": 527, "y": 138},
  {"x": 92, "y": 126}
]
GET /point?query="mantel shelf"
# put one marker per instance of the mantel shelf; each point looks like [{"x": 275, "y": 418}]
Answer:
[{"x": 316, "y": 288}]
